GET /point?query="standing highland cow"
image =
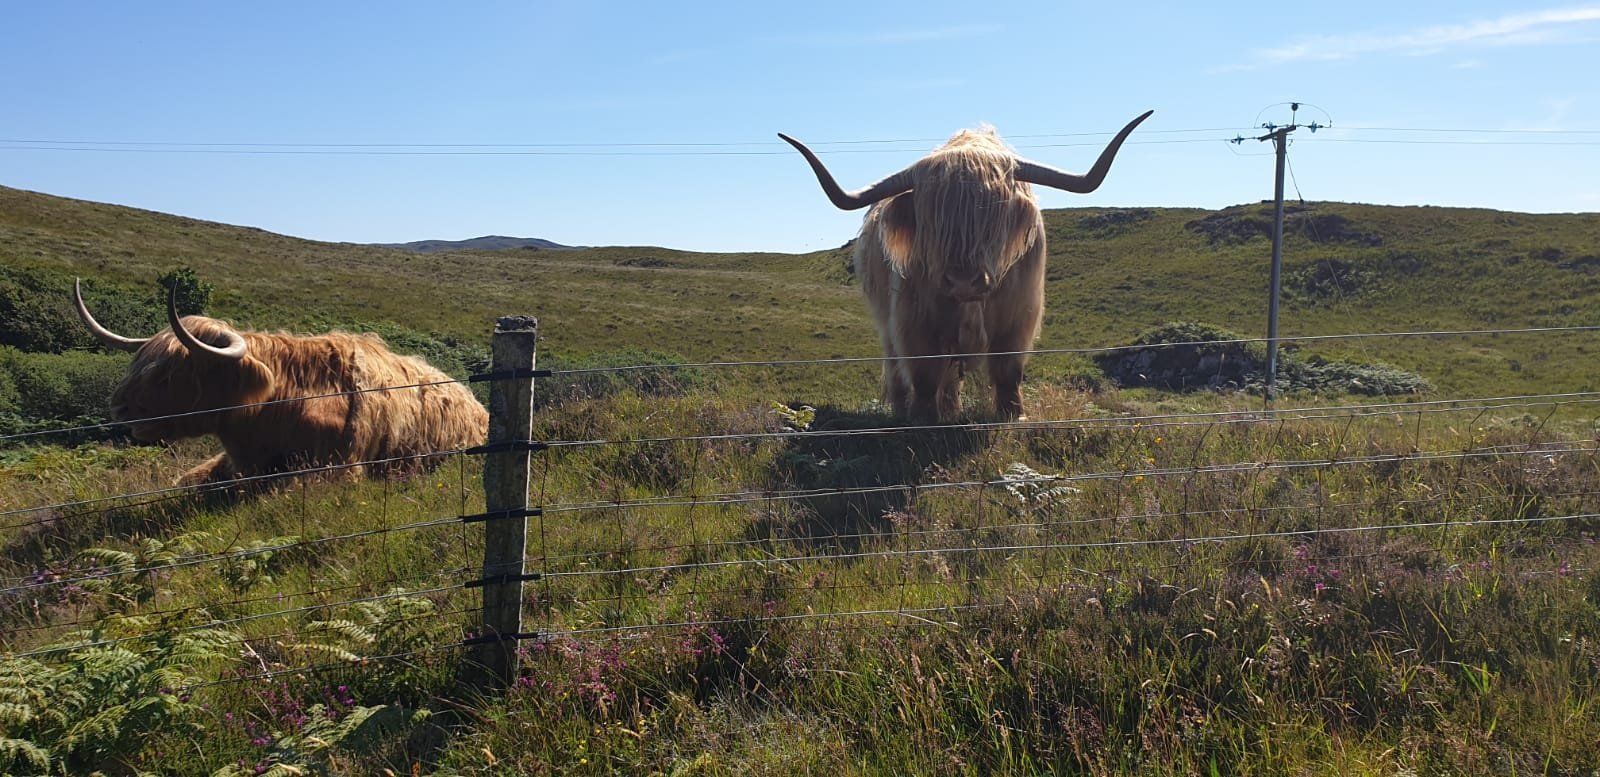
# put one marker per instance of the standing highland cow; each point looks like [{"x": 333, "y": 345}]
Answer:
[
  {"x": 951, "y": 258},
  {"x": 201, "y": 376}
]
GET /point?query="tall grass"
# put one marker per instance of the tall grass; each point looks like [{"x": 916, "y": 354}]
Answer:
[{"x": 1372, "y": 593}]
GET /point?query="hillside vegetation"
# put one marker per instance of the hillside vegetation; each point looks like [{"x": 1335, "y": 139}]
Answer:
[
  {"x": 1113, "y": 274},
  {"x": 754, "y": 570}
]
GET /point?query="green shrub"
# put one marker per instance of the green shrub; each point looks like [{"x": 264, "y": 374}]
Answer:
[
  {"x": 87, "y": 707},
  {"x": 36, "y": 312},
  {"x": 190, "y": 294},
  {"x": 40, "y": 391}
]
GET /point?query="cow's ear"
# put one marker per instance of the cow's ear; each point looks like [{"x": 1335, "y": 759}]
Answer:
[
  {"x": 255, "y": 381},
  {"x": 1024, "y": 232},
  {"x": 897, "y": 227}
]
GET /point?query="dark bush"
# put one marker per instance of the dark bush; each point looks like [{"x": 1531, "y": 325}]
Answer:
[{"x": 1184, "y": 356}]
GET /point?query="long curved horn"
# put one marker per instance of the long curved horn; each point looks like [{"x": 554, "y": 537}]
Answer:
[
  {"x": 1044, "y": 175},
  {"x": 860, "y": 198},
  {"x": 233, "y": 351},
  {"x": 107, "y": 337}
]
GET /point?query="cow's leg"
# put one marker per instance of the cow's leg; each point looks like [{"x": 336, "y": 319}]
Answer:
[
  {"x": 1005, "y": 372},
  {"x": 213, "y": 470},
  {"x": 935, "y": 389},
  {"x": 896, "y": 391},
  {"x": 949, "y": 399},
  {"x": 1014, "y": 326}
]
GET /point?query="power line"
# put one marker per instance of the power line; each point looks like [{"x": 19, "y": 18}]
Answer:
[
  {"x": 732, "y": 149},
  {"x": 1402, "y": 141},
  {"x": 367, "y": 151},
  {"x": 726, "y": 144},
  {"x": 631, "y": 144}
]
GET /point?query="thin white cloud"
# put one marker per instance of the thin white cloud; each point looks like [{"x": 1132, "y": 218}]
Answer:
[{"x": 1519, "y": 29}]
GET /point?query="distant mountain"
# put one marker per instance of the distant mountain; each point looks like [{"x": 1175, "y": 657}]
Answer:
[{"x": 485, "y": 243}]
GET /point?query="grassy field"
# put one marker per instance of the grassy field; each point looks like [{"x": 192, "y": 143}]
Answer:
[{"x": 1136, "y": 582}]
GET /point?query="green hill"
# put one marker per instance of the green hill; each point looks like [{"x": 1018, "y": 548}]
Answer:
[{"x": 1113, "y": 274}]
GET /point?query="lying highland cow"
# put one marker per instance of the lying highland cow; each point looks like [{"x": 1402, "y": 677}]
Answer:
[
  {"x": 951, "y": 258},
  {"x": 201, "y": 376}
]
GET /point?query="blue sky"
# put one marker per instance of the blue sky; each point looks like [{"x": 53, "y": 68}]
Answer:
[{"x": 381, "y": 122}]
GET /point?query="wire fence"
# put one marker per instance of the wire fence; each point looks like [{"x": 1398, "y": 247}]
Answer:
[{"x": 777, "y": 521}]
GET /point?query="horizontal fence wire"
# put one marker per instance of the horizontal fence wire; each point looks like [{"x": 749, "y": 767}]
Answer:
[
  {"x": 1148, "y": 421},
  {"x": 743, "y": 497},
  {"x": 1067, "y": 576},
  {"x": 215, "y": 558},
  {"x": 276, "y": 597},
  {"x": 241, "y": 640},
  {"x": 1142, "y": 516},
  {"x": 357, "y": 663},
  {"x": 1153, "y": 421},
  {"x": 1087, "y": 350},
  {"x": 227, "y": 409},
  {"x": 234, "y": 621},
  {"x": 547, "y": 373},
  {"x": 941, "y": 536},
  {"x": 219, "y": 485},
  {"x": 1104, "y": 544}
]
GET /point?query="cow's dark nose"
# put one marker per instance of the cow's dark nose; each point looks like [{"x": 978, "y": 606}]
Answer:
[{"x": 968, "y": 286}]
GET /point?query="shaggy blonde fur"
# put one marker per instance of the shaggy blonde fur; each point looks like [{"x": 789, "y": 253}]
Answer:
[
  {"x": 371, "y": 426},
  {"x": 965, "y": 215}
]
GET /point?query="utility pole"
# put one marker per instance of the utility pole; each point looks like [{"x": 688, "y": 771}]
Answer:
[
  {"x": 1279, "y": 135},
  {"x": 1280, "y": 141}
]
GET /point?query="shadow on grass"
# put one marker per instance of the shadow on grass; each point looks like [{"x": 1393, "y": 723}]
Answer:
[{"x": 873, "y": 465}]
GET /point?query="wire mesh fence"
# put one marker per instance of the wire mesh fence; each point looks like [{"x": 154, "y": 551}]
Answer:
[{"x": 742, "y": 515}]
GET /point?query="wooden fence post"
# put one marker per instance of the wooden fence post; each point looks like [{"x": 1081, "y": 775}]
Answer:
[{"x": 493, "y": 661}]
